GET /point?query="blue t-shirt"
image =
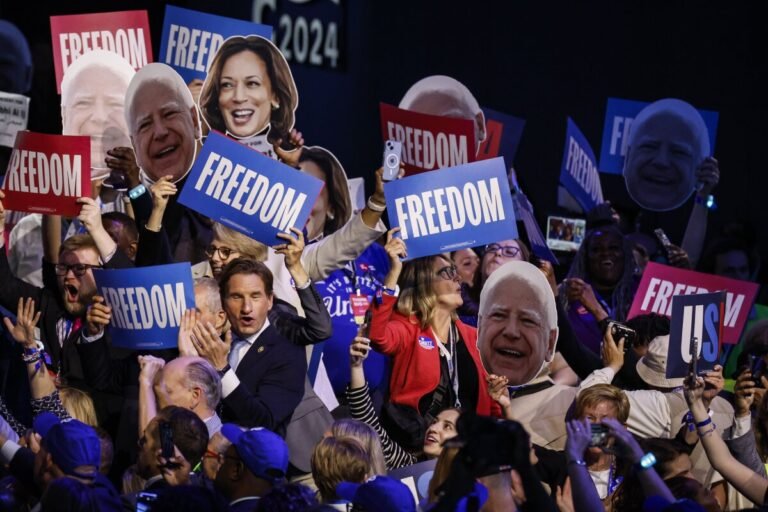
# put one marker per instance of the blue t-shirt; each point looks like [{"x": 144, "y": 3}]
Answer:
[{"x": 368, "y": 271}]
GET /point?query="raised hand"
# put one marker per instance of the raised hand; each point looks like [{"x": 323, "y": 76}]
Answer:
[
  {"x": 210, "y": 346},
  {"x": 613, "y": 354},
  {"x": 707, "y": 176},
  {"x": 358, "y": 351},
  {"x": 123, "y": 159},
  {"x": 189, "y": 319},
  {"x": 161, "y": 191},
  {"x": 497, "y": 389},
  {"x": 290, "y": 157},
  {"x": 90, "y": 214},
  {"x": 98, "y": 316},
  {"x": 26, "y": 320},
  {"x": 149, "y": 366},
  {"x": 293, "y": 247},
  {"x": 579, "y": 436}
]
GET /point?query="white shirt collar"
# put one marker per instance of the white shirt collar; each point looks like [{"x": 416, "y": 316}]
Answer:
[{"x": 250, "y": 339}]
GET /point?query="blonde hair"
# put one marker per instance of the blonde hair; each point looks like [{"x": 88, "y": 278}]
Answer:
[
  {"x": 246, "y": 246},
  {"x": 337, "y": 460},
  {"x": 79, "y": 405},
  {"x": 599, "y": 393},
  {"x": 364, "y": 434},
  {"x": 417, "y": 297}
]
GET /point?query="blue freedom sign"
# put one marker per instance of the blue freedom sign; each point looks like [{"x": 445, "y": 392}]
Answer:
[
  {"x": 578, "y": 173},
  {"x": 191, "y": 39},
  {"x": 502, "y": 135},
  {"x": 619, "y": 115},
  {"x": 452, "y": 208},
  {"x": 147, "y": 303},
  {"x": 698, "y": 317},
  {"x": 248, "y": 191}
]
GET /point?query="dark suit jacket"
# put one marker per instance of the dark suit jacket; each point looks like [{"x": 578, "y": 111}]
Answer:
[{"x": 271, "y": 375}]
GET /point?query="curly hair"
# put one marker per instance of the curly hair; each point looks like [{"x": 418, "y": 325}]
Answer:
[
  {"x": 283, "y": 86},
  {"x": 623, "y": 290}
]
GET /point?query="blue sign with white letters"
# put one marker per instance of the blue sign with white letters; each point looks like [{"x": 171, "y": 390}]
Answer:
[
  {"x": 147, "y": 303},
  {"x": 191, "y": 39},
  {"x": 578, "y": 173},
  {"x": 248, "y": 191},
  {"x": 619, "y": 115},
  {"x": 452, "y": 208},
  {"x": 700, "y": 317}
]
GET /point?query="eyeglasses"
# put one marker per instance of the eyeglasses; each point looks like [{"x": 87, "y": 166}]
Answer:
[
  {"x": 448, "y": 273},
  {"x": 79, "y": 269},
  {"x": 508, "y": 251},
  {"x": 224, "y": 252},
  {"x": 210, "y": 454}
]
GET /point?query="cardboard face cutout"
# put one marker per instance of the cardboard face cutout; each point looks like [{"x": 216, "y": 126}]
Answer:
[
  {"x": 92, "y": 103},
  {"x": 163, "y": 122},
  {"x": 250, "y": 88},
  {"x": 333, "y": 206},
  {"x": 441, "y": 95},
  {"x": 667, "y": 143}
]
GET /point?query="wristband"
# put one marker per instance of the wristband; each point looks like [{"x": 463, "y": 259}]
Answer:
[
  {"x": 647, "y": 461},
  {"x": 137, "y": 191},
  {"x": 376, "y": 207},
  {"x": 708, "y": 202},
  {"x": 389, "y": 291},
  {"x": 704, "y": 423},
  {"x": 224, "y": 370},
  {"x": 578, "y": 462}
]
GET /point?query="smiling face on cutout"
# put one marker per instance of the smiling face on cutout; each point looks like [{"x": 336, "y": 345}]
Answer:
[
  {"x": 514, "y": 337},
  {"x": 245, "y": 94},
  {"x": 164, "y": 131}
]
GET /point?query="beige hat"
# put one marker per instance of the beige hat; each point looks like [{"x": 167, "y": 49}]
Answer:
[{"x": 652, "y": 367}]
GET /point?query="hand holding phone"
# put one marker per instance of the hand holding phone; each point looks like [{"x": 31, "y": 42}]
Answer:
[
  {"x": 167, "y": 448},
  {"x": 392, "y": 153}
]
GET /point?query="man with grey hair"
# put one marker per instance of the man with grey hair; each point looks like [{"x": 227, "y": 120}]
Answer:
[
  {"x": 163, "y": 122},
  {"x": 516, "y": 337},
  {"x": 441, "y": 95},
  {"x": 187, "y": 381}
]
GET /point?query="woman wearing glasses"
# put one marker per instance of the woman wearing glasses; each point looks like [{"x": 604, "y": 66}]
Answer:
[
  {"x": 435, "y": 363},
  {"x": 493, "y": 256}
]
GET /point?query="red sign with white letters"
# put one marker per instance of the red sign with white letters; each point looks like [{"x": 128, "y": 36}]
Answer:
[
  {"x": 47, "y": 173},
  {"x": 125, "y": 33},
  {"x": 660, "y": 283}
]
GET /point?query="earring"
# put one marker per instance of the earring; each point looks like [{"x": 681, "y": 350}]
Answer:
[
  {"x": 329, "y": 215},
  {"x": 275, "y": 106}
]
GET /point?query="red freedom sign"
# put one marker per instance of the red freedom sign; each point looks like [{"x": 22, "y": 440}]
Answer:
[
  {"x": 660, "y": 283},
  {"x": 125, "y": 33},
  {"x": 429, "y": 142},
  {"x": 47, "y": 173}
]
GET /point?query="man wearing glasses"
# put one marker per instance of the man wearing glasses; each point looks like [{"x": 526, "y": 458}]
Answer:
[{"x": 63, "y": 301}]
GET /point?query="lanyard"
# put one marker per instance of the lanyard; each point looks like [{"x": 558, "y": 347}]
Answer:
[
  {"x": 613, "y": 480},
  {"x": 451, "y": 357}
]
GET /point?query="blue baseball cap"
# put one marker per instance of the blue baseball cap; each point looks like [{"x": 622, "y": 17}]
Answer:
[
  {"x": 262, "y": 451},
  {"x": 379, "y": 494},
  {"x": 71, "y": 443}
]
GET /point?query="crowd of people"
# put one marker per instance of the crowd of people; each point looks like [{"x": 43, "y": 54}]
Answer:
[{"x": 500, "y": 368}]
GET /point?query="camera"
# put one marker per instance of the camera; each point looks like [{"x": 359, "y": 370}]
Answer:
[
  {"x": 619, "y": 331},
  {"x": 757, "y": 369},
  {"x": 392, "y": 152},
  {"x": 599, "y": 434}
]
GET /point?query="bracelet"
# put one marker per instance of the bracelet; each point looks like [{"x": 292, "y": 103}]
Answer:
[
  {"x": 137, "y": 191},
  {"x": 708, "y": 432},
  {"x": 647, "y": 461},
  {"x": 578, "y": 462},
  {"x": 32, "y": 357},
  {"x": 704, "y": 423},
  {"x": 389, "y": 291},
  {"x": 376, "y": 207},
  {"x": 708, "y": 202}
]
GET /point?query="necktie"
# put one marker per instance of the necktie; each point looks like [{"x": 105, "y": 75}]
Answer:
[{"x": 234, "y": 352}]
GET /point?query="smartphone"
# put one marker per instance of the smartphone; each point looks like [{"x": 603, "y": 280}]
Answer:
[
  {"x": 166, "y": 441},
  {"x": 367, "y": 321},
  {"x": 619, "y": 331},
  {"x": 392, "y": 152},
  {"x": 565, "y": 233},
  {"x": 693, "y": 369},
  {"x": 757, "y": 369},
  {"x": 663, "y": 239},
  {"x": 599, "y": 434},
  {"x": 144, "y": 501}
]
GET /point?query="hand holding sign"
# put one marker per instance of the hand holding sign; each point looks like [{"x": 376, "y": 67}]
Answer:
[
  {"x": 98, "y": 316},
  {"x": 713, "y": 384},
  {"x": 707, "y": 176},
  {"x": 210, "y": 346},
  {"x": 396, "y": 250},
  {"x": 290, "y": 156}
]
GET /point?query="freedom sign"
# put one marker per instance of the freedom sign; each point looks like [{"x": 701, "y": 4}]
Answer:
[
  {"x": 578, "y": 173},
  {"x": 191, "y": 39},
  {"x": 660, "y": 283},
  {"x": 698, "y": 317},
  {"x": 248, "y": 191},
  {"x": 147, "y": 303},
  {"x": 502, "y": 136},
  {"x": 619, "y": 115},
  {"x": 452, "y": 208},
  {"x": 47, "y": 173},
  {"x": 125, "y": 33},
  {"x": 429, "y": 142}
]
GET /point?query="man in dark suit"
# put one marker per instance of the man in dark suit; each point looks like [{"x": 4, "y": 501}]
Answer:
[{"x": 262, "y": 373}]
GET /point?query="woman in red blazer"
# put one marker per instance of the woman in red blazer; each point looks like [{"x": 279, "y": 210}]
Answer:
[{"x": 435, "y": 362}]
